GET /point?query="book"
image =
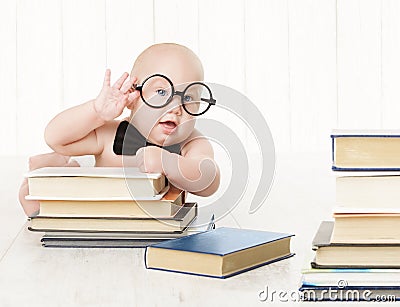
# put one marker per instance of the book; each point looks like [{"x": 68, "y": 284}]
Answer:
[
  {"x": 330, "y": 254},
  {"x": 100, "y": 243},
  {"x": 176, "y": 223},
  {"x": 379, "y": 228},
  {"x": 219, "y": 253},
  {"x": 195, "y": 226},
  {"x": 377, "y": 192},
  {"x": 358, "y": 293},
  {"x": 94, "y": 182},
  {"x": 167, "y": 206},
  {"x": 353, "y": 276},
  {"x": 126, "y": 240},
  {"x": 367, "y": 150}
]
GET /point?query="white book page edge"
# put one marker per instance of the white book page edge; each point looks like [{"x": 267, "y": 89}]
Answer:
[
  {"x": 156, "y": 197},
  {"x": 108, "y": 172}
]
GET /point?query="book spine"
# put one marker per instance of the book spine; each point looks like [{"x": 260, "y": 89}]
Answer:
[
  {"x": 365, "y": 169},
  {"x": 365, "y": 136},
  {"x": 145, "y": 258}
]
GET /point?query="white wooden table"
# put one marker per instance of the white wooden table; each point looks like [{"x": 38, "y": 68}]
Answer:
[{"x": 303, "y": 194}]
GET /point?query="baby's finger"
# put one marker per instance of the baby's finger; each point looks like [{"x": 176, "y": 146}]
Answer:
[
  {"x": 120, "y": 81},
  {"x": 132, "y": 96},
  {"x": 121, "y": 104},
  {"x": 127, "y": 87},
  {"x": 107, "y": 77}
]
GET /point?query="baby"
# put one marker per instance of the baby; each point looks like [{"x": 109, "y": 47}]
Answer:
[{"x": 163, "y": 93}]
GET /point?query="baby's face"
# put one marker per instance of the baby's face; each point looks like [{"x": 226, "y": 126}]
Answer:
[{"x": 170, "y": 124}]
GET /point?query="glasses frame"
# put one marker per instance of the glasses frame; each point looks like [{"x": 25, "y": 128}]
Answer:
[{"x": 211, "y": 101}]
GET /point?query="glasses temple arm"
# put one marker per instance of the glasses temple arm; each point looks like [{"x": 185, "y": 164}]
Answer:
[
  {"x": 210, "y": 101},
  {"x": 136, "y": 87}
]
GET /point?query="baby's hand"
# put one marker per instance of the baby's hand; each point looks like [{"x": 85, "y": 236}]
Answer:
[
  {"x": 149, "y": 159},
  {"x": 111, "y": 101}
]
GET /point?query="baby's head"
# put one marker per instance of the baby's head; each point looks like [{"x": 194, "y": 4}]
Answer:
[
  {"x": 177, "y": 62},
  {"x": 170, "y": 122}
]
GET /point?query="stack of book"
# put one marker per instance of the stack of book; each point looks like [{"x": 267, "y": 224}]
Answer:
[
  {"x": 357, "y": 256},
  {"x": 122, "y": 207},
  {"x": 107, "y": 206}
]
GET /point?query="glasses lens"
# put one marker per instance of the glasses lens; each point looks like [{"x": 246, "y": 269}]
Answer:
[
  {"x": 156, "y": 91},
  {"x": 195, "y": 98}
]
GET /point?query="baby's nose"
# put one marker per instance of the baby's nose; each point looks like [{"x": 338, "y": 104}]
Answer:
[{"x": 175, "y": 106}]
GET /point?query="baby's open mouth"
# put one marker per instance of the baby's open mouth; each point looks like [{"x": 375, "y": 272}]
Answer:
[{"x": 168, "y": 126}]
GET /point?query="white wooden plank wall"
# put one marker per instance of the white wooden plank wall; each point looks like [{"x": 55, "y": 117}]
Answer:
[
  {"x": 129, "y": 30},
  {"x": 390, "y": 64},
  {"x": 312, "y": 73},
  {"x": 84, "y": 49},
  {"x": 359, "y": 63},
  {"x": 8, "y": 77},
  {"x": 267, "y": 65},
  {"x": 308, "y": 65},
  {"x": 39, "y": 71}
]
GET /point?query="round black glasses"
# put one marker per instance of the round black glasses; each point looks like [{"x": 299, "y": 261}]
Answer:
[{"x": 158, "y": 90}]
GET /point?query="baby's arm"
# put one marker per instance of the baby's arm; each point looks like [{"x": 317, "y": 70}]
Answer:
[
  {"x": 73, "y": 131},
  {"x": 195, "y": 171}
]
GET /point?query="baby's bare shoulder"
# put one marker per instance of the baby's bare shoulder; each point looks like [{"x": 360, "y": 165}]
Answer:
[{"x": 106, "y": 135}]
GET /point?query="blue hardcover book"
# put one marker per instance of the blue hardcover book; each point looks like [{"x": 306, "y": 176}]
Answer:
[
  {"x": 221, "y": 253},
  {"x": 365, "y": 150}
]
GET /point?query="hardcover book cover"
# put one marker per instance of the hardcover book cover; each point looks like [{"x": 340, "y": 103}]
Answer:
[{"x": 221, "y": 253}]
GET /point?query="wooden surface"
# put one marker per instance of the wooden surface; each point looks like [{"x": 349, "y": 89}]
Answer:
[{"x": 30, "y": 275}]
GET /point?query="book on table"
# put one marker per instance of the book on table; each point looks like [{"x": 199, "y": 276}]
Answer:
[
  {"x": 366, "y": 227},
  {"x": 368, "y": 192},
  {"x": 94, "y": 182},
  {"x": 175, "y": 223},
  {"x": 126, "y": 239},
  {"x": 348, "y": 271},
  {"x": 368, "y": 254},
  {"x": 220, "y": 253},
  {"x": 99, "y": 243},
  {"x": 367, "y": 208},
  {"x": 331, "y": 277},
  {"x": 167, "y": 205},
  {"x": 363, "y": 150}
]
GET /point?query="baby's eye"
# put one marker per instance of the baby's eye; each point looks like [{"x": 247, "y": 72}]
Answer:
[
  {"x": 187, "y": 98},
  {"x": 161, "y": 92}
]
